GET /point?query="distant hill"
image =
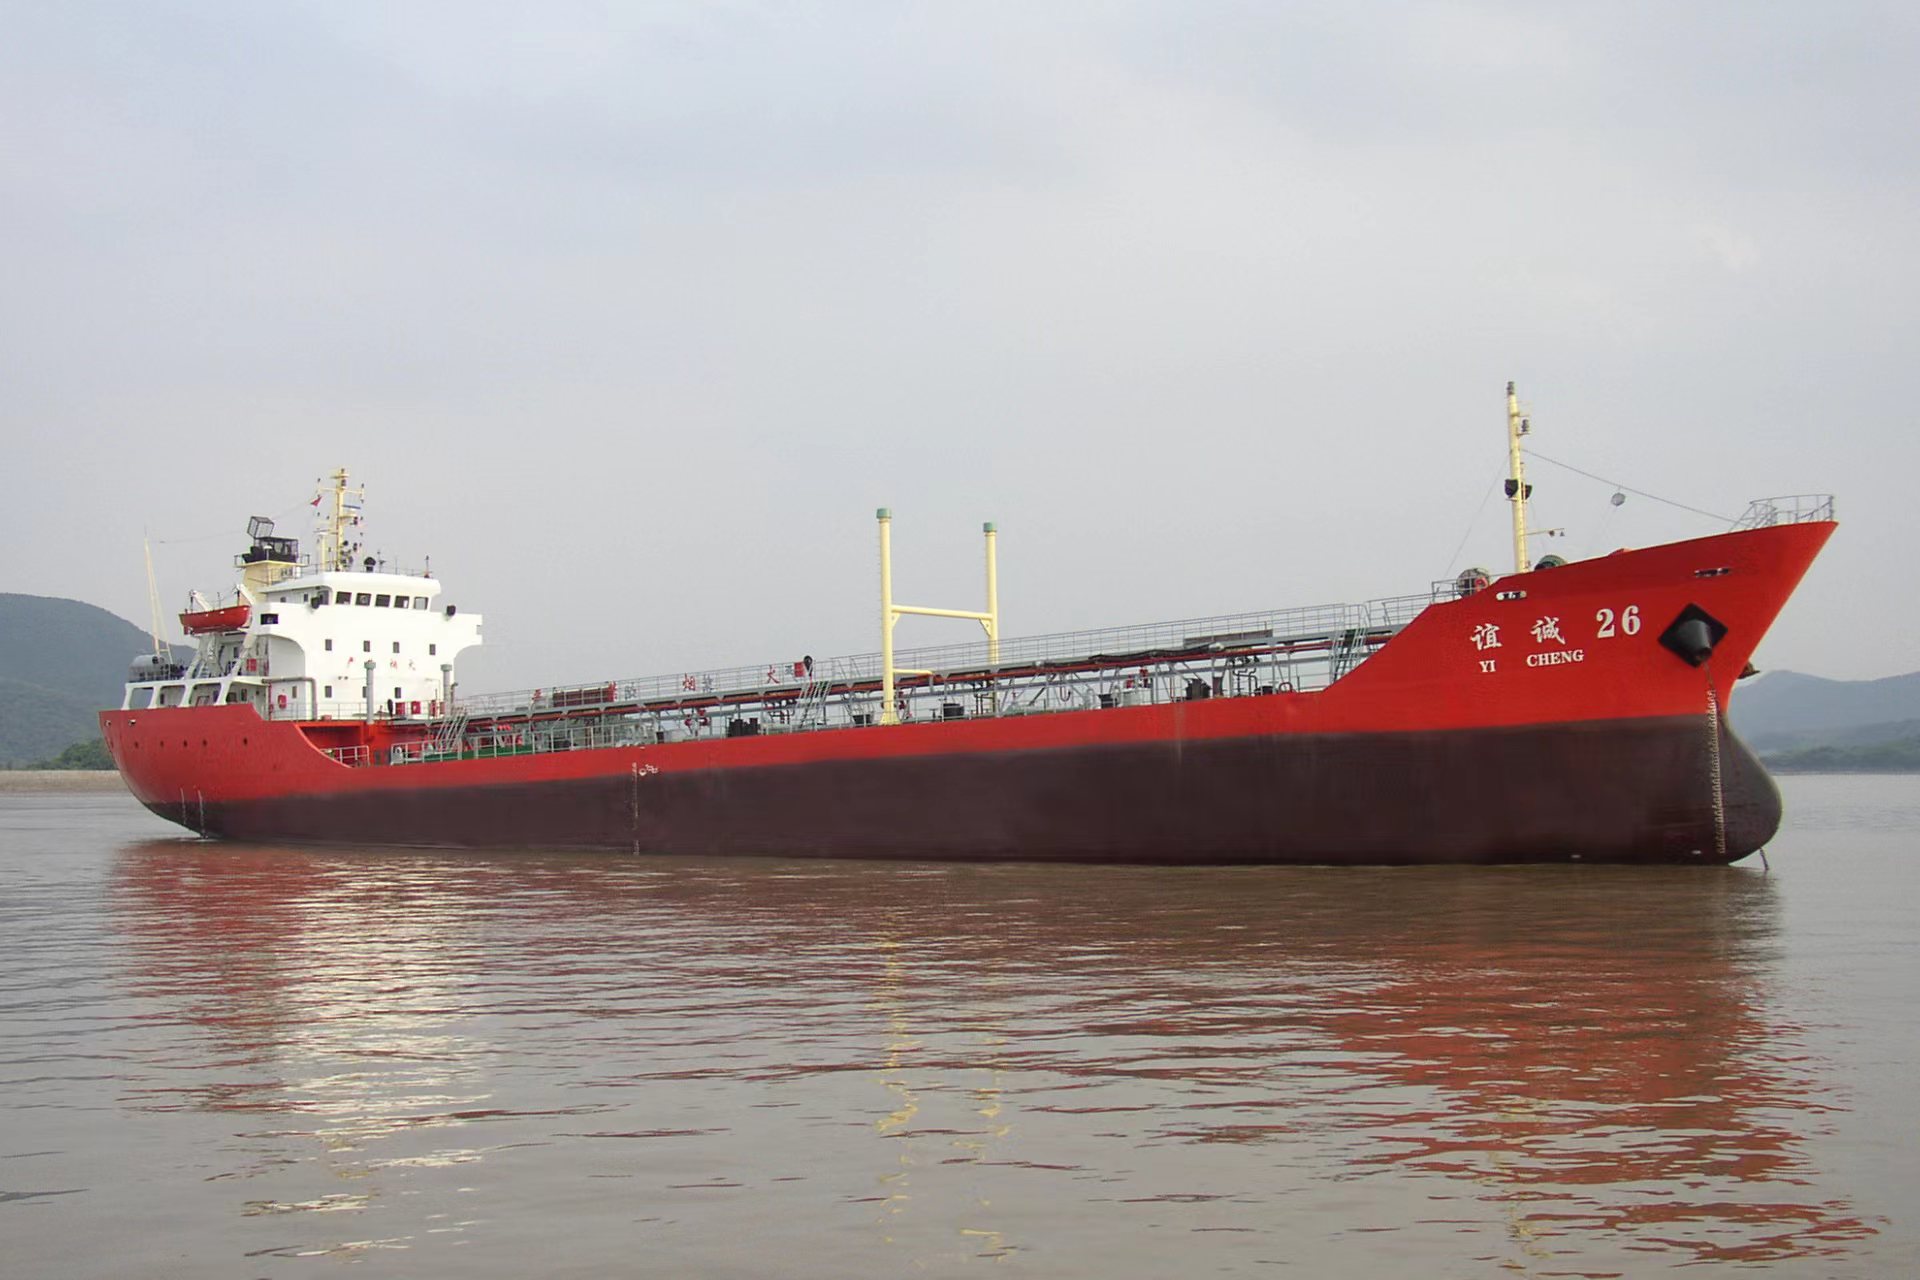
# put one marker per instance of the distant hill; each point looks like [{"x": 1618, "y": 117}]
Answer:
[
  {"x": 61, "y": 661},
  {"x": 1787, "y": 711}
]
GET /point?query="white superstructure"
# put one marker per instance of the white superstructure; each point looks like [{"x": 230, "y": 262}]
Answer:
[{"x": 318, "y": 637}]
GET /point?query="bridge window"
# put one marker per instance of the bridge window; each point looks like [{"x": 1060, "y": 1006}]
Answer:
[
  {"x": 382, "y": 602},
  {"x": 419, "y": 602},
  {"x": 401, "y": 602}
]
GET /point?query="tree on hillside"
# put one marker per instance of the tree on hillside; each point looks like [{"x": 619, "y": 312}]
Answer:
[
  {"x": 91, "y": 754},
  {"x": 1879, "y": 757}
]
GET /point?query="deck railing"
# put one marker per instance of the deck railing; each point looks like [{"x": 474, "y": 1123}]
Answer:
[
  {"x": 1796, "y": 508},
  {"x": 965, "y": 664}
]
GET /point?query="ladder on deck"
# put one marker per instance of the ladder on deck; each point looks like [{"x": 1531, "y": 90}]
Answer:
[
  {"x": 446, "y": 741},
  {"x": 812, "y": 709},
  {"x": 1347, "y": 649}
]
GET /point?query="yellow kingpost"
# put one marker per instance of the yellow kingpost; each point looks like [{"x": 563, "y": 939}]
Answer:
[
  {"x": 891, "y": 613},
  {"x": 887, "y": 617},
  {"x": 992, "y": 620},
  {"x": 1517, "y": 478}
]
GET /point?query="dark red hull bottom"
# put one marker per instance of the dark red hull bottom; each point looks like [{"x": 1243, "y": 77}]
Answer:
[{"x": 1603, "y": 791}]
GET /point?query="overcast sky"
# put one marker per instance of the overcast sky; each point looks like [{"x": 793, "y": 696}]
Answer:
[{"x": 629, "y": 315}]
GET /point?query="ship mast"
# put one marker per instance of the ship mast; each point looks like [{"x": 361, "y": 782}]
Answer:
[
  {"x": 1518, "y": 490},
  {"x": 333, "y": 523}
]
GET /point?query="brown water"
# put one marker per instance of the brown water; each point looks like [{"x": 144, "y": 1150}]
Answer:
[{"x": 230, "y": 1060}]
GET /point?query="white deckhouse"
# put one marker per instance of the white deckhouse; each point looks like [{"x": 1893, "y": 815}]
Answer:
[{"x": 315, "y": 637}]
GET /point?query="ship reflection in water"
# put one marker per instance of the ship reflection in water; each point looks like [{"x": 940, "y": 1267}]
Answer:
[{"x": 854, "y": 1067}]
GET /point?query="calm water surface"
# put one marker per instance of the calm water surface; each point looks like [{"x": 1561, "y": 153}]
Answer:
[{"x": 232, "y": 1060}]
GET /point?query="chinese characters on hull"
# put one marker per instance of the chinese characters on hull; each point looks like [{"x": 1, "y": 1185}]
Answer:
[{"x": 1546, "y": 631}]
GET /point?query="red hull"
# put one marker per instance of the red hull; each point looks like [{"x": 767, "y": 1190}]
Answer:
[{"x": 1599, "y": 744}]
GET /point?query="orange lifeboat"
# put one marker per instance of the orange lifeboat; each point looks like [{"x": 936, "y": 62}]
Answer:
[{"x": 203, "y": 621}]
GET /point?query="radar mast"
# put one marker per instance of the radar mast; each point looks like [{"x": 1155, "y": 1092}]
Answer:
[{"x": 339, "y": 508}]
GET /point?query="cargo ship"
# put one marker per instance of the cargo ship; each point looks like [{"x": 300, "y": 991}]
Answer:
[{"x": 1562, "y": 712}]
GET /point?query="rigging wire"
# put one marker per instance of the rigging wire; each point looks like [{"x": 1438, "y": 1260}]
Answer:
[
  {"x": 289, "y": 513},
  {"x": 1564, "y": 466},
  {"x": 1454, "y": 559},
  {"x": 1600, "y": 532}
]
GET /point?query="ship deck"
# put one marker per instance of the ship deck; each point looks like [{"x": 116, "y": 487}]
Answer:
[{"x": 1295, "y": 650}]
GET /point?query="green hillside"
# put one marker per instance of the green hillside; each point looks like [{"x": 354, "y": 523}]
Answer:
[
  {"x": 1902, "y": 756},
  {"x": 36, "y": 723},
  {"x": 1787, "y": 711},
  {"x": 62, "y": 662},
  {"x": 1808, "y": 724}
]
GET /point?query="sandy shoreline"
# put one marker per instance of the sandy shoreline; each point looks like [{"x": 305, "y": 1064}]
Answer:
[{"x": 60, "y": 780}]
